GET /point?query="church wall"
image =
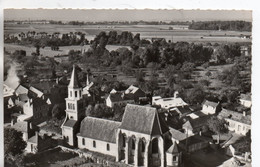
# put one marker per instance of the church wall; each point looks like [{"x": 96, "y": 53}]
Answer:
[{"x": 100, "y": 146}]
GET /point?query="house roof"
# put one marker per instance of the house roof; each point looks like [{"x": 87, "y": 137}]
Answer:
[
  {"x": 74, "y": 81},
  {"x": 21, "y": 126},
  {"x": 116, "y": 97},
  {"x": 99, "y": 129},
  {"x": 236, "y": 116},
  {"x": 196, "y": 123},
  {"x": 141, "y": 119},
  {"x": 173, "y": 148},
  {"x": 177, "y": 134},
  {"x": 182, "y": 109},
  {"x": 36, "y": 91},
  {"x": 21, "y": 89},
  {"x": 38, "y": 102},
  {"x": 199, "y": 113},
  {"x": 131, "y": 89},
  {"x": 210, "y": 103},
  {"x": 245, "y": 97},
  {"x": 70, "y": 123}
]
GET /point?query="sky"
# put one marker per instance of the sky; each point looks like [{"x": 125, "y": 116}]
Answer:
[{"x": 126, "y": 15}]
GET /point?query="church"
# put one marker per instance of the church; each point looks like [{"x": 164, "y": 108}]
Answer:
[{"x": 141, "y": 139}]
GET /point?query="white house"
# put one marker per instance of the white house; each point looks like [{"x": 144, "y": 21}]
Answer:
[
  {"x": 118, "y": 99},
  {"x": 245, "y": 100},
  {"x": 209, "y": 107},
  {"x": 240, "y": 123}
]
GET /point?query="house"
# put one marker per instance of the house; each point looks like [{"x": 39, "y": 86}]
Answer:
[
  {"x": 38, "y": 109},
  {"x": 7, "y": 91},
  {"x": 21, "y": 89},
  {"x": 196, "y": 126},
  {"x": 168, "y": 103},
  {"x": 21, "y": 100},
  {"x": 245, "y": 100},
  {"x": 25, "y": 127},
  {"x": 38, "y": 143},
  {"x": 240, "y": 123},
  {"x": 118, "y": 99},
  {"x": 139, "y": 140},
  {"x": 244, "y": 50},
  {"x": 36, "y": 92},
  {"x": 209, "y": 107},
  {"x": 136, "y": 92},
  {"x": 75, "y": 109}
]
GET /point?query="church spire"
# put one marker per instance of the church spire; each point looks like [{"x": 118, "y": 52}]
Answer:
[{"x": 74, "y": 81}]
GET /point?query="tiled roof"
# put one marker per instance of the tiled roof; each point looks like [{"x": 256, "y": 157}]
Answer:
[
  {"x": 131, "y": 89},
  {"x": 141, "y": 119},
  {"x": 236, "y": 116},
  {"x": 99, "y": 129},
  {"x": 210, "y": 103},
  {"x": 21, "y": 90}
]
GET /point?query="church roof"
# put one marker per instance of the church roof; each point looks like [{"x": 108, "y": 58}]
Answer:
[
  {"x": 70, "y": 123},
  {"x": 99, "y": 129},
  {"x": 141, "y": 119},
  {"x": 74, "y": 81}
]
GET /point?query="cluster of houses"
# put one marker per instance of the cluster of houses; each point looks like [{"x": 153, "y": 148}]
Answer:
[{"x": 144, "y": 137}]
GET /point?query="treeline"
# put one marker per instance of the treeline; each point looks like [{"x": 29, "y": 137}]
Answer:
[
  {"x": 122, "y": 22},
  {"x": 222, "y": 25}
]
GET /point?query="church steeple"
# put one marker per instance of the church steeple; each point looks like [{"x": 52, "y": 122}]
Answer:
[
  {"x": 74, "y": 81},
  {"x": 87, "y": 83}
]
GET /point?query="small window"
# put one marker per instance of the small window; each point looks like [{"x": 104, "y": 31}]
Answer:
[
  {"x": 70, "y": 93},
  {"x": 80, "y": 93},
  {"x": 108, "y": 147},
  {"x": 76, "y": 93},
  {"x": 94, "y": 144},
  {"x": 174, "y": 158},
  {"x": 83, "y": 141}
]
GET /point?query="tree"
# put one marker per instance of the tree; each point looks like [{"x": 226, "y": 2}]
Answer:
[
  {"x": 58, "y": 111},
  {"x": 217, "y": 125},
  {"x": 13, "y": 142}
]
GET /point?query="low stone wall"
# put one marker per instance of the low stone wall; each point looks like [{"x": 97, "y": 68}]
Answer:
[{"x": 95, "y": 157}]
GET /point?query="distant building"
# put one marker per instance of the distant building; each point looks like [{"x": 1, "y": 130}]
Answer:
[
  {"x": 169, "y": 102},
  {"x": 7, "y": 91},
  {"x": 240, "y": 123},
  {"x": 135, "y": 92},
  {"x": 245, "y": 100},
  {"x": 180, "y": 111}
]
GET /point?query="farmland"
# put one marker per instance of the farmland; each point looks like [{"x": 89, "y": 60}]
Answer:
[{"x": 146, "y": 32}]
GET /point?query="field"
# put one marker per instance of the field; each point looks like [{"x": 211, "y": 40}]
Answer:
[{"x": 146, "y": 31}]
